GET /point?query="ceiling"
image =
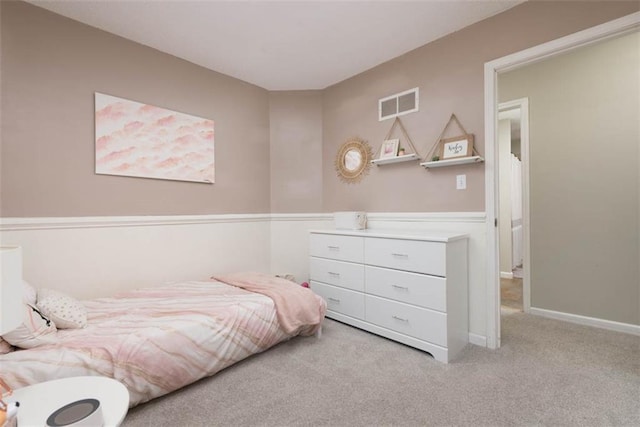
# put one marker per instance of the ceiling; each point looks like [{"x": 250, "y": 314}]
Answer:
[{"x": 281, "y": 45}]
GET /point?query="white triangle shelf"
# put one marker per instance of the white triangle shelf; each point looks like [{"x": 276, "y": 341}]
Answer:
[
  {"x": 472, "y": 155},
  {"x": 396, "y": 159},
  {"x": 453, "y": 162}
]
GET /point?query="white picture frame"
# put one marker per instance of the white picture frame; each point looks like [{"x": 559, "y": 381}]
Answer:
[{"x": 389, "y": 148}]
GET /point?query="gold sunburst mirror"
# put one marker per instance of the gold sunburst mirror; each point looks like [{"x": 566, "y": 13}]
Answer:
[{"x": 353, "y": 160}]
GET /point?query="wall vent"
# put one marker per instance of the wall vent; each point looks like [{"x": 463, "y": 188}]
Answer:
[{"x": 399, "y": 104}]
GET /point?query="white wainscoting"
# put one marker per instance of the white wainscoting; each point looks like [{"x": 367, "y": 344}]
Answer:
[
  {"x": 290, "y": 242},
  {"x": 97, "y": 256},
  {"x": 91, "y": 257}
]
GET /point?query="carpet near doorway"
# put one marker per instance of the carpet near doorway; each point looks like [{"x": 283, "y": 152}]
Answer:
[{"x": 547, "y": 373}]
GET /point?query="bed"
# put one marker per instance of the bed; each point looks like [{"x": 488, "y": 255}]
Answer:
[{"x": 157, "y": 340}]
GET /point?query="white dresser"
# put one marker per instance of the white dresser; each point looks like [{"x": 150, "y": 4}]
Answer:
[{"x": 409, "y": 286}]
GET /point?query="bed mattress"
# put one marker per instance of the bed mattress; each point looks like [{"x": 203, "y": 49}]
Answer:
[{"x": 156, "y": 340}]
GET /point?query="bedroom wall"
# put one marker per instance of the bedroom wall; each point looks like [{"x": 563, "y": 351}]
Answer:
[
  {"x": 94, "y": 235},
  {"x": 584, "y": 176},
  {"x": 51, "y": 67},
  {"x": 295, "y": 124},
  {"x": 449, "y": 73}
]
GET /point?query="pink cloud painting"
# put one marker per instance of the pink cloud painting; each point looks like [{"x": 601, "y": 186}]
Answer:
[{"x": 134, "y": 139}]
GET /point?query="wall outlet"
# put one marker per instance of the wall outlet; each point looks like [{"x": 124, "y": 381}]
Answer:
[{"x": 461, "y": 182}]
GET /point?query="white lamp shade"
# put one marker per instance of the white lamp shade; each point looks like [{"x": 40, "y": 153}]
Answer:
[{"x": 10, "y": 288}]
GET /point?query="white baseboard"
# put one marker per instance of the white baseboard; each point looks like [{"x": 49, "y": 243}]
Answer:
[
  {"x": 477, "y": 339},
  {"x": 506, "y": 275},
  {"x": 588, "y": 321}
]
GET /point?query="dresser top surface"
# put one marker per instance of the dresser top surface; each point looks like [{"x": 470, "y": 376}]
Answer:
[{"x": 426, "y": 235}]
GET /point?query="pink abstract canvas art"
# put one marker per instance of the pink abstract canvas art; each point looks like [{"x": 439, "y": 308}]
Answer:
[{"x": 140, "y": 140}]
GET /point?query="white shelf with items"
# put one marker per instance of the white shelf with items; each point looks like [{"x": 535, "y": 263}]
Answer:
[
  {"x": 458, "y": 150},
  {"x": 396, "y": 159},
  {"x": 395, "y": 154},
  {"x": 453, "y": 162}
]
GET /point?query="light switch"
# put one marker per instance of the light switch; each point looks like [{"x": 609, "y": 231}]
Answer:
[{"x": 461, "y": 182}]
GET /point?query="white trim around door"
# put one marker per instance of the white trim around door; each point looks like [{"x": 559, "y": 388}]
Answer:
[{"x": 491, "y": 69}]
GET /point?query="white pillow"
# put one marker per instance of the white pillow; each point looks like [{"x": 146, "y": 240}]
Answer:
[
  {"x": 66, "y": 312},
  {"x": 29, "y": 293},
  {"x": 36, "y": 329}
]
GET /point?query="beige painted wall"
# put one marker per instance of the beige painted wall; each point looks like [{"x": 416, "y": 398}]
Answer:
[
  {"x": 295, "y": 119},
  {"x": 449, "y": 73},
  {"x": 584, "y": 143},
  {"x": 51, "y": 67},
  {"x": 504, "y": 216}
]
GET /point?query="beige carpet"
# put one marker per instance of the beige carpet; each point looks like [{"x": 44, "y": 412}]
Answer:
[{"x": 547, "y": 373}]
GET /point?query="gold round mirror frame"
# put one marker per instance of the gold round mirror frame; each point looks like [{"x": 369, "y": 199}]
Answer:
[{"x": 353, "y": 160}]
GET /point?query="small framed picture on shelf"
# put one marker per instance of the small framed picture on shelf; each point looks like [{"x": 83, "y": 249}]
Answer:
[
  {"x": 459, "y": 146},
  {"x": 389, "y": 148}
]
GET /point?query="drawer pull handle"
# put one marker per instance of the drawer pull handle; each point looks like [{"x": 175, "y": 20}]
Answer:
[
  {"x": 404, "y": 288},
  {"x": 334, "y": 248},
  {"x": 334, "y": 300},
  {"x": 400, "y": 255},
  {"x": 401, "y": 319},
  {"x": 332, "y": 273}
]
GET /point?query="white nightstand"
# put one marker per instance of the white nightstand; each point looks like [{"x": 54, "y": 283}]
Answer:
[{"x": 38, "y": 401}]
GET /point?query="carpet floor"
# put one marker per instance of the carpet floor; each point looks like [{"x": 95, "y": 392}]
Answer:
[{"x": 547, "y": 373}]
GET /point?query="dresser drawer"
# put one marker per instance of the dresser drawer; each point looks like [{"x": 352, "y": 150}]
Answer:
[
  {"x": 342, "y": 248},
  {"x": 412, "y": 288},
  {"x": 341, "y": 300},
  {"x": 410, "y": 255},
  {"x": 339, "y": 273},
  {"x": 421, "y": 323}
]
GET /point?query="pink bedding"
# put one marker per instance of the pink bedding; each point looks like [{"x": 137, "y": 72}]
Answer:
[
  {"x": 296, "y": 308},
  {"x": 157, "y": 340}
]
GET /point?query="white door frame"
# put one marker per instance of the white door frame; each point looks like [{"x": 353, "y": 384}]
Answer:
[
  {"x": 595, "y": 34},
  {"x": 523, "y": 105}
]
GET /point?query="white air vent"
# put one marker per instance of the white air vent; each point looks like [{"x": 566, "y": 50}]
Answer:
[{"x": 399, "y": 104}]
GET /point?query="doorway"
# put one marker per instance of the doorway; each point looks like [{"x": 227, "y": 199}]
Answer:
[
  {"x": 513, "y": 154},
  {"x": 595, "y": 34}
]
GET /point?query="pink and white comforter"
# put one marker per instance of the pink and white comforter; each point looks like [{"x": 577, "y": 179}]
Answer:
[{"x": 157, "y": 340}]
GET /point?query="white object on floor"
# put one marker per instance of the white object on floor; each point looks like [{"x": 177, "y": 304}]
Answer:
[
  {"x": 81, "y": 413},
  {"x": 39, "y": 401}
]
